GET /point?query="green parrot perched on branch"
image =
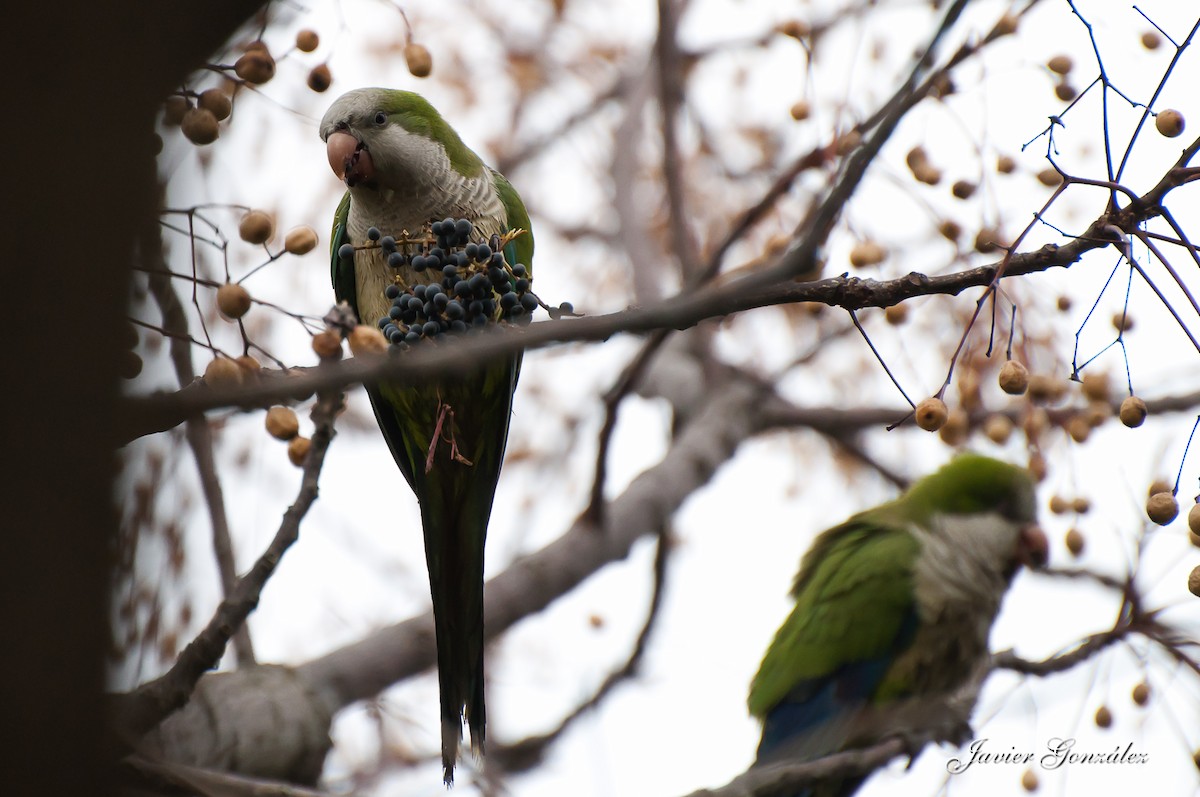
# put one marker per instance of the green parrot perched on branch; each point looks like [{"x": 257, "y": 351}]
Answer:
[
  {"x": 893, "y": 612},
  {"x": 406, "y": 170}
]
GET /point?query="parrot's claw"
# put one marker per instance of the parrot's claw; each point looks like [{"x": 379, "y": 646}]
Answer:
[{"x": 444, "y": 431}]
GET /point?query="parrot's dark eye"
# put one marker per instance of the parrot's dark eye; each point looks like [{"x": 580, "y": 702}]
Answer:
[{"x": 380, "y": 118}]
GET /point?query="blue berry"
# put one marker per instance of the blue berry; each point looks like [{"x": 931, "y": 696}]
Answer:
[
  {"x": 373, "y": 233},
  {"x": 529, "y": 302},
  {"x": 521, "y": 285},
  {"x": 566, "y": 307},
  {"x": 418, "y": 262},
  {"x": 485, "y": 252},
  {"x": 436, "y": 228},
  {"x": 519, "y": 270},
  {"x": 458, "y": 326},
  {"x": 392, "y": 291},
  {"x": 383, "y": 322},
  {"x": 464, "y": 228},
  {"x": 412, "y": 336},
  {"x": 431, "y": 328},
  {"x": 346, "y": 251},
  {"x": 440, "y": 301},
  {"x": 449, "y": 270},
  {"x": 454, "y": 310},
  {"x": 471, "y": 250},
  {"x": 388, "y": 243},
  {"x": 508, "y": 300},
  {"x": 395, "y": 260}
]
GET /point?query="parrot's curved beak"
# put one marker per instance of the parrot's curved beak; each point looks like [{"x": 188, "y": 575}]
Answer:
[
  {"x": 1033, "y": 549},
  {"x": 350, "y": 159}
]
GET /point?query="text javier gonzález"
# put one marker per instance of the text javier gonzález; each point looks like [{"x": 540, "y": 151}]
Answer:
[{"x": 1057, "y": 753}]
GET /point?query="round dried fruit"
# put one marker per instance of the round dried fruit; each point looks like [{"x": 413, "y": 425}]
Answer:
[
  {"x": 962, "y": 189},
  {"x": 222, "y": 372},
  {"x": 931, "y": 414},
  {"x": 1059, "y": 505},
  {"x": 1079, "y": 428},
  {"x": 1169, "y": 122},
  {"x": 300, "y": 241},
  {"x": 1029, "y": 780},
  {"x": 200, "y": 126},
  {"x": 298, "y": 448},
  {"x": 896, "y": 314},
  {"x": 1014, "y": 378},
  {"x": 233, "y": 300},
  {"x": 420, "y": 62},
  {"x": 998, "y": 428},
  {"x": 216, "y": 101},
  {"x": 1104, "y": 717},
  {"x": 282, "y": 423},
  {"x": 1194, "y": 519},
  {"x": 327, "y": 344},
  {"x": 1194, "y": 588},
  {"x": 801, "y": 110},
  {"x": 957, "y": 427},
  {"x": 1151, "y": 40},
  {"x": 1060, "y": 64},
  {"x": 867, "y": 253},
  {"x": 255, "y": 66},
  {"x": 1075, "y": 542},
  {"x": 1005, "y": 164},
  {"x": 1133, "y": 412},
  {"x": 320, "y": 78},
  {"x": 174, "y": 109},
  {"x": 366, "y": 340},
  {"x": 1141, "y": 693},
  {"x": 1049, "y": 177},
  {"x": 307, "y": 40},
  {"x": 1162, "y": 508},
  {"x": 1095, "y": 386},
  {"x": 256, "y": 227}
]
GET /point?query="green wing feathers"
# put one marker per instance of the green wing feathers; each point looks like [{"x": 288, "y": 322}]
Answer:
[{"x": 853, "y": 595}]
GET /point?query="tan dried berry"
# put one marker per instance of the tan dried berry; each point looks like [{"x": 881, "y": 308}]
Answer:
[
  {"x": 233, "y": 300},
  {"x": 927, "y": 174},
  {"x": 1049, "y": 177},
  {"x": 251, "y": 367},
  {"x": 1104, "y": 717},
  {"x": 1065, "y": 91},
  {"x": 1159, "y": 485},
  {"x": 916, "y": 158},
  {"x": 1075, "y": 542},
  {"x": 957, "y": 427},
  {"x": 1194, "y": 519},
  {"x": 420, "y": 62},
  {"x": 1063, "y": 303},
  {"x": 1081, "y": 505},
  {"x": 365, "y": 340},
  {"x": 1060, "y": 64},
  {"x": 1151, "y": 40},
  {"x": 200, "y": 126},
  {"x": 950, "y": 230},
  {"x": 867, "y": 253},
  {"x": 320, "y": 78},
  {"x": 300, "y": 241},
  {"x": 1029, "y": 780},
  {"x": 216, "y": 101},
  {"x": 1005, "y": 26},
  {"x": 1079, "y": 427},
  {"x": 1014, "y": 378},
  {"x": 282, "y": 423},
  {"x": 931, "y": 414},
  {"x": 1133, "y": 412},
  {"x": 255, "y": 66},
  {"x": 988, "y": 240},
  {"x": 307, "y": 40},
  {"x": 801, "y": 110},
  {"x": 327, "y": 344},
  {"x": 1169, "y": 122},
  {"x": 222, "y": 372},
  {"x": 256, "y": 227},
  {"x": 174, "y": 109},
  {"x": 1162, "y": 508},
  {"x": 1122, "y": 322},
  {"x": 1035, "y": 423},
  {"x": 998, "y": 428},
  {"x": 962, "y": 189},
  {"x": 1141, "y": 693},
  {"x": 1194, "y": 588},
  {"x": 1005, "y": 164},
  {"x": 1095, "y": 386},
  {"x": 298, "y": 448},
  {"x": 1059, "y": 505},
  {"x": 896, "y": 314}
]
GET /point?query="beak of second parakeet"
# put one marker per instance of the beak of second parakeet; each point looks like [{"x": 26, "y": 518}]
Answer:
[{"x": 1033, "y": 549}]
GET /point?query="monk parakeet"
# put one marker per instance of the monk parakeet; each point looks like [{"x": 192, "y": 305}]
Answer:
[
  {"x": 405, "y": 167},
  {"x": 893, "y": 611}
]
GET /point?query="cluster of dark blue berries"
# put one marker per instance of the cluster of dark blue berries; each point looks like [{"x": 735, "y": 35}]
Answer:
[{"x": 477, "y": 284}]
